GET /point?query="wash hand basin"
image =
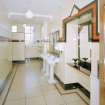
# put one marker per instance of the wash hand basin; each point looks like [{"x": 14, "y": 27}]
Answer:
[{"x": 52, "y": 59}]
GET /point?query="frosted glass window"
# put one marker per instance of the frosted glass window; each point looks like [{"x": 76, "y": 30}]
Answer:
[
  {"x": 14, "y": 28},
  {"x": 29, "y": 34},
  {"x": 27, "y": 29}
]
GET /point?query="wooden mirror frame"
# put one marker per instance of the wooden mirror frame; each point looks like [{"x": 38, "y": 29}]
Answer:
[
  {"x": 92, "y": 7},
  {"x": 89, "y": 24}
]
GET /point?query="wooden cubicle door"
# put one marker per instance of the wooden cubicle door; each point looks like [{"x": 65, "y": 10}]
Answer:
[{"x": 102, "y": 52}]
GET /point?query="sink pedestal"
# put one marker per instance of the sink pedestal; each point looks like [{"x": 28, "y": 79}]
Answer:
[
  {"x": 51, "y": 75},
  {"x": 44, "y": 66},
  {"x": 49, "y": 62},
  {"x": 47, "y": 69}
]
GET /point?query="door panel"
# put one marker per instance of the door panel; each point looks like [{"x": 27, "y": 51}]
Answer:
[{"x": 102, "y": 53}]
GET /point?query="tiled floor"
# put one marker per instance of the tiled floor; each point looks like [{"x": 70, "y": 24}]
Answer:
[{"x": 30, "y": 87}]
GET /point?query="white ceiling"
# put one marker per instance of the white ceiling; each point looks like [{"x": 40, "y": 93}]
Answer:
[
  {"x": 37, "y": 6},
  {"x": 43, "y": 7}
]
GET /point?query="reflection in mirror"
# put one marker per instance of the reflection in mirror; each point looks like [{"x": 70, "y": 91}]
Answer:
[
  {"x": 85, "y": 48},
  {"x": 53, "y": 40},
  {"x": 85, "y": 33},
  {"x": 84, "y": 44},
  {"x": 72, "y": 41},
  {"x": 82, "y": 3}
]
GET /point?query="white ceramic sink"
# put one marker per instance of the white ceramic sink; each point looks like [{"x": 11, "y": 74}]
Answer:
[{"x": 51, "y": 59}]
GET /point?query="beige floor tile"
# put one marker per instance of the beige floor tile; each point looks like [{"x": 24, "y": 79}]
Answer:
[
  {"x": 71, "y": 98},
  {"x": 48, "y": 88},
  {"x": 77, "y": 103},
  {"x": 53, "y": 100},
  {"x": 35, "y": 101},
  {"x": 15, "y": 96},
  {"x": 16, "y": 102},
  {"x": 33, "y": 93},
  {"x": 54, "y": 92}
]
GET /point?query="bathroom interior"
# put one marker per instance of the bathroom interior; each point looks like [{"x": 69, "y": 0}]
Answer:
[{"x": 67, "y": 45}]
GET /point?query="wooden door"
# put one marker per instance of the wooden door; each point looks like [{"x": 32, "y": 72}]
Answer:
[{"x": 102, "y": 53}]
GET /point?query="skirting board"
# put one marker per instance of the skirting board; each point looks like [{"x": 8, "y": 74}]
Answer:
[
  {"x": 34, "y": 58},
  {"x": 20, "y": 62},
  {"x": 73, "y": 86}
]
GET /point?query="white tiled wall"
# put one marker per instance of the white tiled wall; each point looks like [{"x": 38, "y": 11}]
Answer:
[
  {"x": 5, "y": 48},
  {"x": 18, "y": 47},
  {"x": 18, "y": 36}
]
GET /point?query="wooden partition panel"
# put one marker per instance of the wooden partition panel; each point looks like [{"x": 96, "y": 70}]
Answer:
[{"x": 102, "y": 53}]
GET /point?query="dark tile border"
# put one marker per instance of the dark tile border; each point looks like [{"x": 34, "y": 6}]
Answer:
[
  {"x": 9, "y": 86},
  {"x": 18, "y": 40},
  {"x": 23, "y": 61},
  {"x": 73, "y": 86},
  {"x": 72, "y": 93},
  {"x": 82, "y": 98},
  {"x": 6, "y": 81},
  {"x": 85, "y": 91},
  {"x": 34, "y": 58}
]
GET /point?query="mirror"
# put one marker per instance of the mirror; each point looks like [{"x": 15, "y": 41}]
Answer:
[
  {"x": 85, "y": 34},
  {"x": 53, "y": 39},
  {"x": 79, "y": 33},
  {"x": 84, "y": 43},
  {"x": 85, "y": 47}
]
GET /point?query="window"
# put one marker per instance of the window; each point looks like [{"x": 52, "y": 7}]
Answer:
[
  {"x": 29, "y": 35},
  {"x": 14, "y": 28}
]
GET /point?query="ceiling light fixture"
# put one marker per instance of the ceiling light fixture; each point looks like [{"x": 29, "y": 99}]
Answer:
[{"x": 29, "y": 14}]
